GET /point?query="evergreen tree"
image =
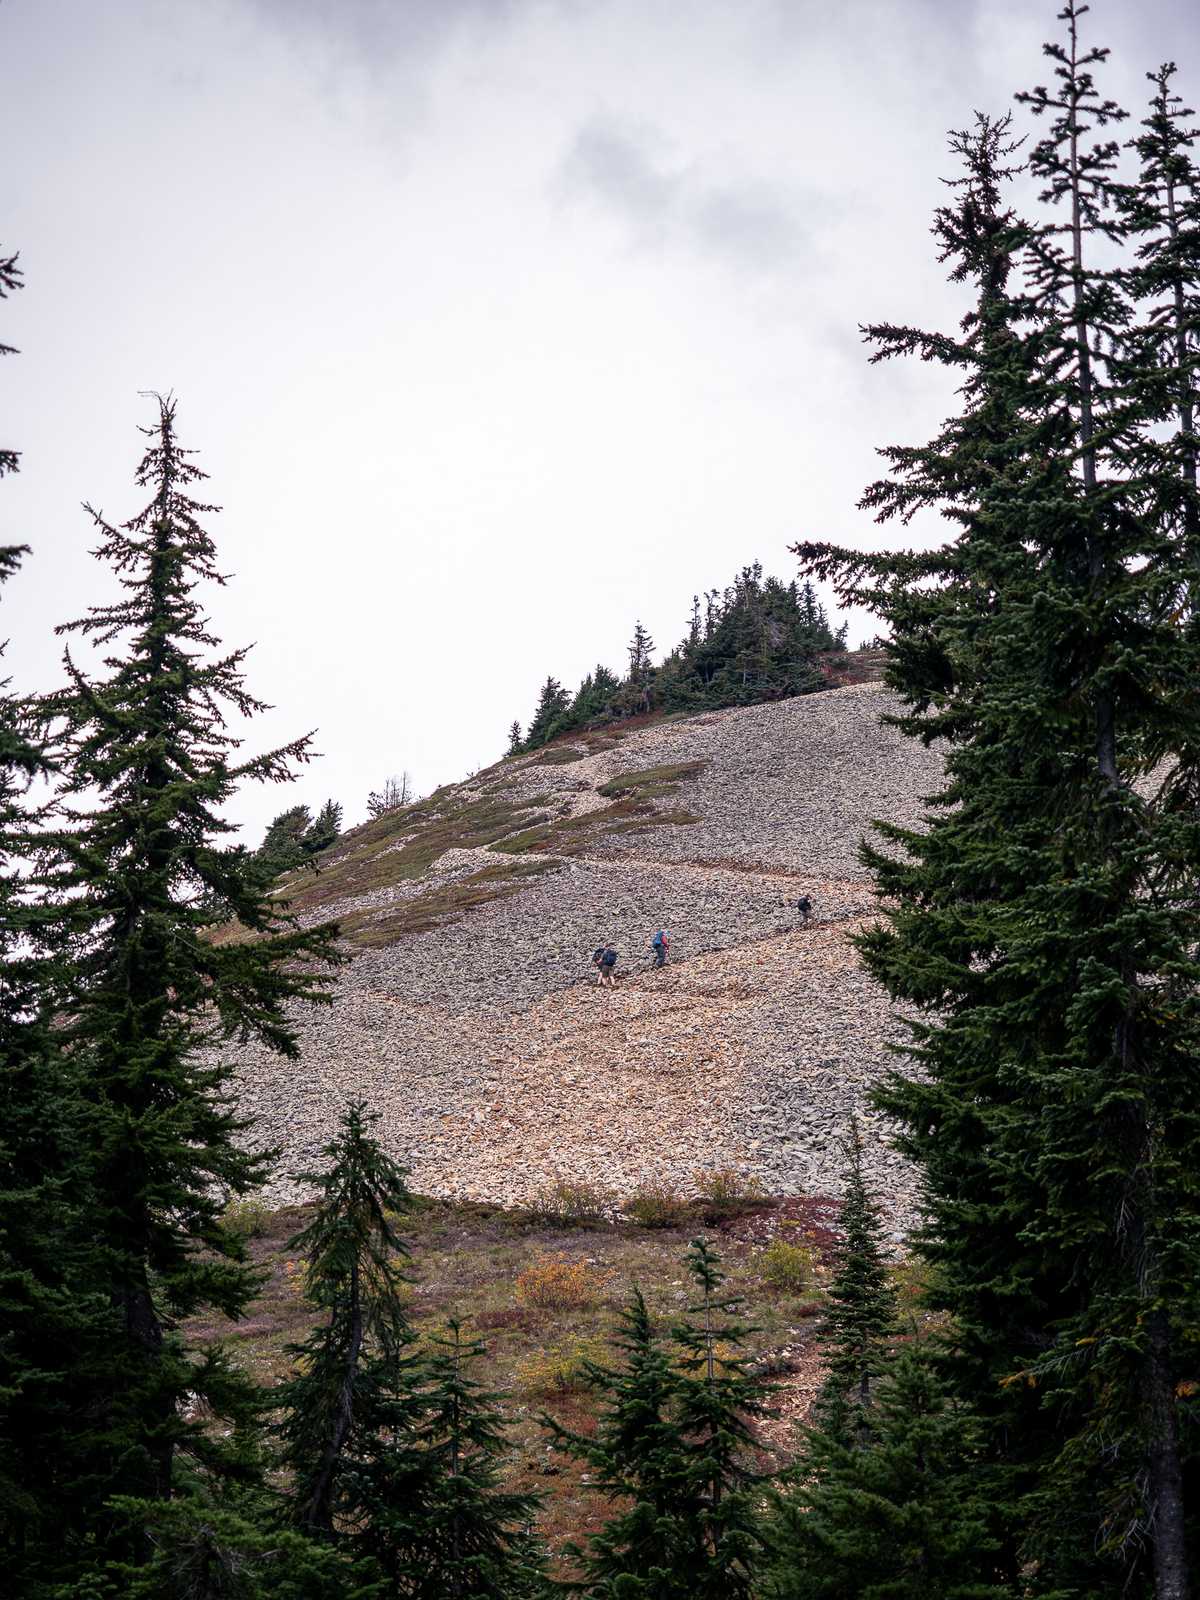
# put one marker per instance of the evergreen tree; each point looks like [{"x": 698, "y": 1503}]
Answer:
[
  {"x": 283, "y": 846},
  {"x": 515, "y": 743},
  {"x": 10, "y": 279},
  {"x": 430, "y": 1507},
  {"x": 1162, "y": 211},
  {"x": 635, "y": 1459},
  {"x": 146, "y": 764},
  {"x": 903, "y": 1517},
  {"x": 1045, "y": 921},
  {"x": 675, "y": 1439},
  {"x": 860, "y": 1318},
  {"x": 552, "y": 703},
  {"x": 641, "y": 652},
  {"x": 53, "y": 1325},
  {"x": 202, "y": 1551},
  {"x": 355, "y": 1369},
  {"x": 326, "y": 828}
]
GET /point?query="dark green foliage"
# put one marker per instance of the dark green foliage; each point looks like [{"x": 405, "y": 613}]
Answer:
[
  {"x": 200, "y": 1551},
  {"x": 903, "y": 1517},
  {"x": 325, "y": 830},
  {"x": 860, "y": 1320},
  {"x": 295, "y": 837},
  {"x": 553, "y": 703},
  {"x": 1045, "y": 923},
  {"x": 355, "y": 1370},
  {"x": 675, "y": 1440},
  {"x": 515, "y": 742},
  {"x": 148, "y": 1001},
  {"x": 10, "y": 279},
  {"x": 430, "y": 1507},
  {"x": 757, "y": 640}
]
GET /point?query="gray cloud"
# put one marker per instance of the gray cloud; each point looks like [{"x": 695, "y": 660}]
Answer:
[{"x": 628, "y": 169}]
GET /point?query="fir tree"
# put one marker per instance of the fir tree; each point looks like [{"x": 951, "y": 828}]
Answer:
[
  {"x": 1045, "y": 921},
  {"x": 326, "y": 828},
  {"x": 515, "y": 743},
  {"x": 675, "y": 1439},
  {"x": 634, "y": 1457},
  {"x": 428, "y": 1497},
  {"x": 1162, "y": 210},
  {"x": 283, "y": 846},
  {"x": 641, "y": 652},
  {"x": 860, "y": 1319},
  {"x": 10, "y": 279},
  {"x": 552, "y": 703},
  {"x": 903, "y": 1517},
  {"x": 147, "y": 762},
  {"x": 355, "y": 1370}
]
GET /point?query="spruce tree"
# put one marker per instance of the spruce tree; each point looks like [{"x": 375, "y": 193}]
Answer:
[
  {"x": 634, "y": 1458},
  {"x": 55, "y": 1329},
  {"x": 552, "y": 703},
  {"x": 676, "y": 1440},
  {"x": 515, "y": 742},
  {"x": 904, "y": 1516},
  {"x": 283, "y": 846},
  {"x": 10, "y": 280},
  {"x": 428, "y": 1498},
  {"x": 146, "y": 762},
  {"x": 1044, "y": 922},
  {"x": 355, "y": 1370},
  {"x": 860, "y": 1323},
  {"x": 325, "y": 830},
  {"x": 641, "y": 651}
]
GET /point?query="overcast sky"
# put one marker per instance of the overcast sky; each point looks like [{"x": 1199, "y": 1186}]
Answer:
[{"x": 498, "y": 323}]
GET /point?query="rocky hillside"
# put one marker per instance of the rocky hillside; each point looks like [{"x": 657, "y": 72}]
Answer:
[{"x": 469, "y": 1015}]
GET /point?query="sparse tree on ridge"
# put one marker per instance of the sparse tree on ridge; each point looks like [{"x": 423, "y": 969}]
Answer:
[
  {"x": 394, "y": 794},
  {"x": 515, "y": 745}
]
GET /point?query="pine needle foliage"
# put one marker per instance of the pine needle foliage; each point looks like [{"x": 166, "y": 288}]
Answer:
[
  {"x": 432, "y": 1511},
  {"x": 674, "y": 1440},
  {"x": 355, "y": 1370},
  {"x": 133, "y": 861},
  {"x": 1044, "y": 924},
  {"x": 860, "y": 1324},
  {"x": 903, "y": 1517}
]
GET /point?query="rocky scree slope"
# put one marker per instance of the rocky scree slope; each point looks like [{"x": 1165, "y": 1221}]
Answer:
[{"x": 469, "y": 1017}]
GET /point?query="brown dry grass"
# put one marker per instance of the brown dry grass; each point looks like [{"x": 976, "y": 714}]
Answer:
[{"x": 467, "y": 1261}]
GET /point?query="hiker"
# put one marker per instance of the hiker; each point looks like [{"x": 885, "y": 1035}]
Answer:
[
  {"x": 660, "y": 944},
  {"x": 804, "y": 907},
  {"x": 604, "y": 960}
]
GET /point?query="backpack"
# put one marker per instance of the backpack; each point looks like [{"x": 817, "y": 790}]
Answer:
[
  {"x": 658, "y": 941},
  {"x": 609, "y": 958},
  {"x": 598, "y": 956}
]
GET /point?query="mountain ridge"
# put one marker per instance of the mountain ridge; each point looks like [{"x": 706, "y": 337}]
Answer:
[{"x": 467, "y": 1015}]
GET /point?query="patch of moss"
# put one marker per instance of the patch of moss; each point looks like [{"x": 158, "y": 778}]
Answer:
[
  {"x": 559, "y": 756},
  {"x": 651, "y": 782},
  {"x": 365, "y": 860},
  {"x": 371, "y": 927}
]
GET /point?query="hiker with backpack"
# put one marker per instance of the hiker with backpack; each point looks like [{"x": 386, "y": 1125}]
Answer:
[
  {"x": 604, "y": 960},
  {"x": 804, "y": 907},
  {"x": 660, "y": 944}
]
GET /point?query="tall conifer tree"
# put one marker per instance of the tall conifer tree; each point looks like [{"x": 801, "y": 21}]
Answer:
[
  {"x": 147, "y": 761},
  {"x": 1046, "y": 920},
  {"x": 356, "y": 1369}
]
